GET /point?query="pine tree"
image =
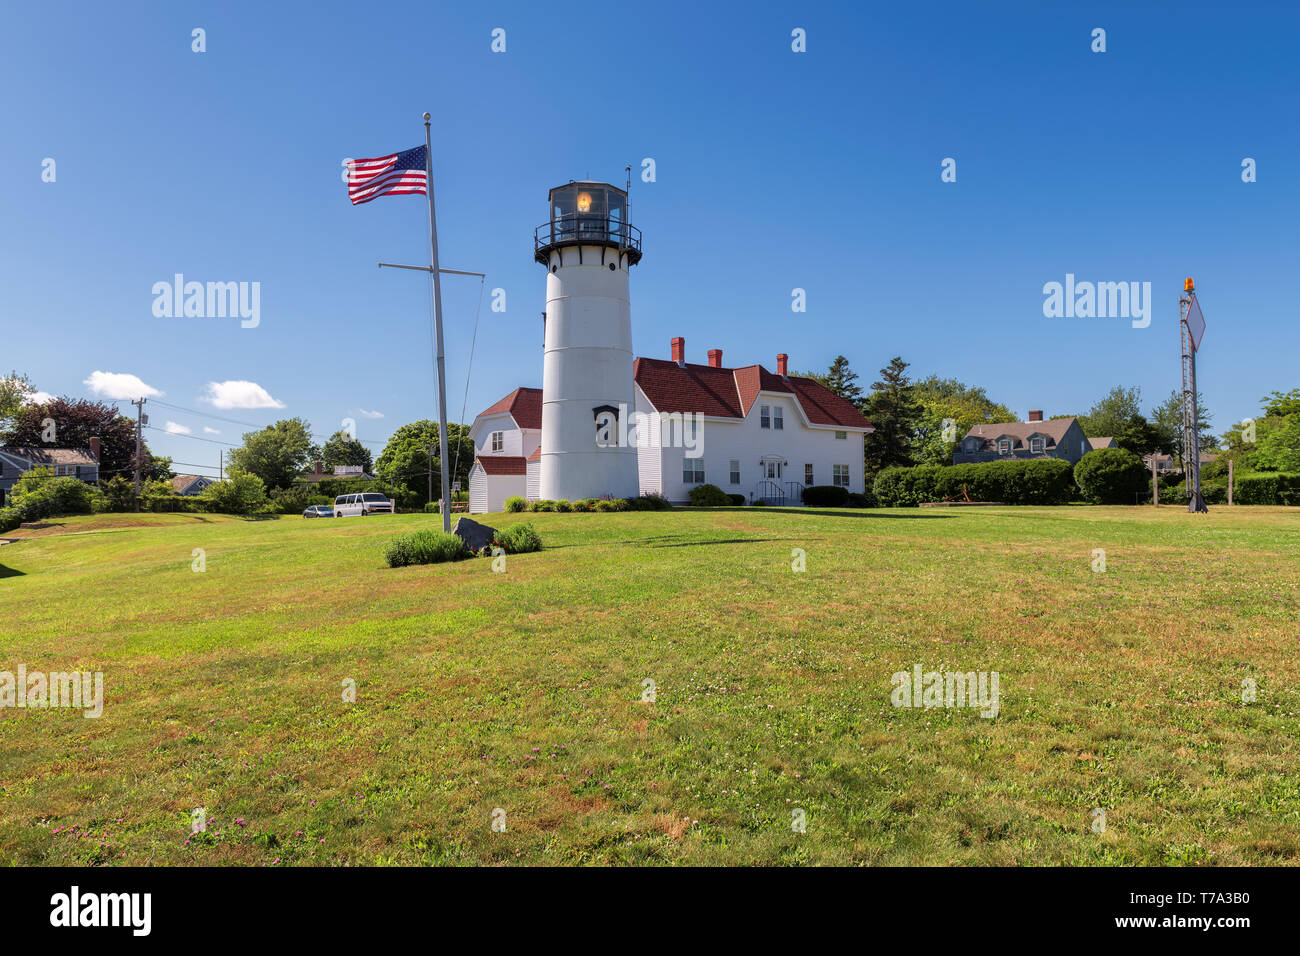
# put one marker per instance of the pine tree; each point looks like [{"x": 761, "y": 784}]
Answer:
[{"x": 894, "y": 412}]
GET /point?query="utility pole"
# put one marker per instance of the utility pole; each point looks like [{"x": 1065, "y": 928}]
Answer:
[
  {"x": 140, "y": 420},
  {"x": 221, "y": 464}
]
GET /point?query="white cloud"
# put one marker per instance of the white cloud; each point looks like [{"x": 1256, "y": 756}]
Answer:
[
  {"x": 240, "y": 394},
  {"x": 119, "y": 385},
  {"x": 172, "y": 428},
  {"x": 39, "y": 398},
  {"x": 370, "y": 414},
  {"x": 212, "y": 431}
]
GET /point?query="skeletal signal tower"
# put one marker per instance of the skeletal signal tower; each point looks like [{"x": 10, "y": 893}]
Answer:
[{"x": 1191, "y": 326}]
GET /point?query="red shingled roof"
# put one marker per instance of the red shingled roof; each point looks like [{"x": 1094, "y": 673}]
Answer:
[
  {"x": 504, "y": 464},
  {"x": 524, "y": 406},
  {"x": 536, "y": 455},
  {"x": 731, "y": 393},
  {"x": 695, "y": 388}
]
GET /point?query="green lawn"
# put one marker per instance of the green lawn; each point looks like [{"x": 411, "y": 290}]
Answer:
[{"x": 522, "y": 690}]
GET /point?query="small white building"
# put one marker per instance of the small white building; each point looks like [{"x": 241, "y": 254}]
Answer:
[
  {"x": 760, "y": 434},
  {"x": 505, "y": 437}
]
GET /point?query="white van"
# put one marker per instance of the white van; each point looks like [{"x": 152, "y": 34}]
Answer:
[{"x": 362, "y": 504}]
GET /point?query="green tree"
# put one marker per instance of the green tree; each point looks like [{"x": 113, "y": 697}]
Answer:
[
  {"x": 14, "y": 392},
  {"x": 840, "y": 379},
  {"x": 1282, "y": 404},
  {"x": 946, "y": 400},
  {"x": 242, "y": 493},
  {"x": 1167, "y": 423},
  {"x": 343, "y": 449},
  {"x": 404, "y": 463},
  {"x": 894, "y": 412},
  {"x": 1117, "y": 408},
  {"x": 277, "y": 453}
]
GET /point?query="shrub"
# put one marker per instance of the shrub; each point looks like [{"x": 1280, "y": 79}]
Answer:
[
  {"x": 709, "y": 496},
  {"x": 1040, "y": 481},
  {"x": 826, "y": 496},
  {"x": 516, "y": 503},
  {"x": 432, "y": 508},
  {"x": 649, "y": 501},
  {"x": 519, "y": 539},
  {"x": 562, "y": 505},
  {"x": 9, "y": 519},
  {"x": 1111, "y": 476},
  {"x": 860, "y": 501},
  {"x": 119, "y": 494},
  {"x": 760, "y": 503},
  {"x": 736, "y": 499},
  {"x": 240, "y": 494},
  {"x": 583, "y": 505},
  {"x": 425, "y": 546},
  {"x": 542, "y": 504},
  {"x": 602, "y": 504},
  {"x": 39, "y": 494}
]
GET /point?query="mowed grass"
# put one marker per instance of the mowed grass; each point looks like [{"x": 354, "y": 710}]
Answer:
[{"x": 523, "y": 690}]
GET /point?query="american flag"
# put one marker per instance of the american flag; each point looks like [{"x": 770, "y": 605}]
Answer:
[{"x": 396, "y": 174}]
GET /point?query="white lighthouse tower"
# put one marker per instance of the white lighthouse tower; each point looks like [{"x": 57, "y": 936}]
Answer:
[{"x": 588, "y": 246}]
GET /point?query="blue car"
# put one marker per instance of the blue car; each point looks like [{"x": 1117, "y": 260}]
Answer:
[{"x": 319, "y": 511}]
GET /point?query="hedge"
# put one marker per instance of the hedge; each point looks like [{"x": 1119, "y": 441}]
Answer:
[
  {"x": 1038, "y": 481},
  {"x": 826, "y": 496},
  {"x": 519, "y": 539},
  {"x": 1267, "y": 488}
]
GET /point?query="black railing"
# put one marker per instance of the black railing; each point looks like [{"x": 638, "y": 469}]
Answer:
[
  {"x": 576, "y": 228},
  {"x": 769, "y": 492}
]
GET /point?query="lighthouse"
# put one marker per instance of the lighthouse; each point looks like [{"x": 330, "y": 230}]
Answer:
[{"x": 587, "y": 247}]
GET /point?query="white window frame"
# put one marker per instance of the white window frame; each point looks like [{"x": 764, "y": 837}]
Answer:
[
  {"x": 733, "y": 469},
  {"x": 808, "y": 473},
  {"x": 1037, "y": 446},
  {"x": 765, "y": 416},
  {"x": 498, "y": 441},
  {"x": 1004, "y": 446},
  {"x": 778, "y": 418},
  {"x": 841, "y": 436},
  {"x": 840, "y": 475},
  {"x": 695, "y": 476}
]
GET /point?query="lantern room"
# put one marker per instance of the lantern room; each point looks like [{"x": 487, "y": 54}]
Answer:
[{"x": 587, "y": 214}]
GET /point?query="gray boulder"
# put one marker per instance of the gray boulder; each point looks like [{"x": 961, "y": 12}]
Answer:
[{"x": 476, "y": 536}]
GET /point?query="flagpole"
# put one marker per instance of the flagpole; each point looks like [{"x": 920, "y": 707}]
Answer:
[{"x": 437, "y": 324}]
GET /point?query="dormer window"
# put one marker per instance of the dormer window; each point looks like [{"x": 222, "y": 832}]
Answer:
[
  {"x": 498, "y": 441},
  {"x": 1004, "y": 446},
  {"x": 1036, "y": 446}
]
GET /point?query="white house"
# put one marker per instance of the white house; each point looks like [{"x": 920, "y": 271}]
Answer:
[{"x": 761, "y": 434}]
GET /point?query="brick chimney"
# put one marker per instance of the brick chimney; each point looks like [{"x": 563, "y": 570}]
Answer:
[
  {"x": 679, "y": 350},
  {"x": 715, "y": 358},
  {"x": 94, "y": 447},
  {"x": 1035, "y": 414},
  {"x": 319, "y": 465},
  {"x": 781, "y": 359}
]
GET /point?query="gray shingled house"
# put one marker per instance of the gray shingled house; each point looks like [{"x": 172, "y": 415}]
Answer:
[{"x": 1036, "y": 438}]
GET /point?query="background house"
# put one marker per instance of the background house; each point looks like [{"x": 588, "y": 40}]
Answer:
[
  {"x": 80, "y": 463},
  {"x": 1107, "y": 442},
  {"x": 190, "y": 485},
  {"x": 1008, "y": 441}
]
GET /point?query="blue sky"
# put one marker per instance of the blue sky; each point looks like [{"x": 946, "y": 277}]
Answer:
[{"x": 775, "y": 170}]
